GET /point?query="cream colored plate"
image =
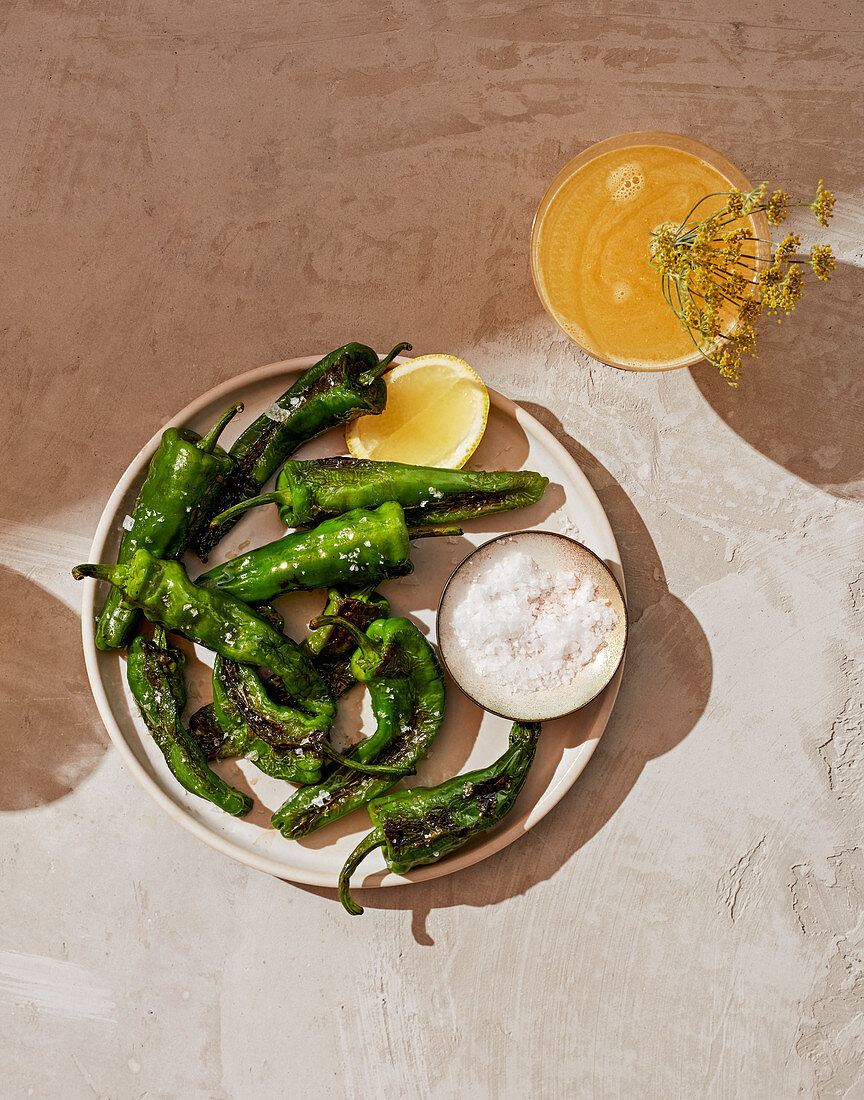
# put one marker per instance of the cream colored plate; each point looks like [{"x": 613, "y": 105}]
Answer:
[{"x": 469, "y": 737}]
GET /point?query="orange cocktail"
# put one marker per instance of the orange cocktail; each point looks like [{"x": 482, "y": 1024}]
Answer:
[{"x": 590, "y": 246}]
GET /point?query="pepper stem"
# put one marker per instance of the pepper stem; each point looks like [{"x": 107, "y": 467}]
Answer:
[
  {"x": 367, "y": 769},
  {"x": 432, "y": 530},
  {"x": 98, "y": 572},
  {"x": 368, "y": 844},
  {"x": 280, "y": 496},
  {"x": 160, "y": 639},
  {"x": 208, "y": 442},
  {"x": 363, "y": 643},
  {"x": 375, "y": 372}
]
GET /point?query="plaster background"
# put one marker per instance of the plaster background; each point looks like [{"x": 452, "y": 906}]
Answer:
[{"x": 191, "y": 190}]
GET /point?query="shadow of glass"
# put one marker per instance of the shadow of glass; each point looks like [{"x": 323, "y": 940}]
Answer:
[
  {"x": 665, "y": 689},
  {"x": 51, "y": 735},
  {"x": 800, "y": 402}
]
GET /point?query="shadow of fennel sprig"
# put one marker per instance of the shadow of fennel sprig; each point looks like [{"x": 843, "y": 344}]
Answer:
[{"x": 719, "y": 283}]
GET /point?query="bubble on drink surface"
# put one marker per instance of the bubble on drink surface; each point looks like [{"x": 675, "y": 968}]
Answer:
[
  {"x": 625, "y": 182},
  {"x": 621, "y": 291}
]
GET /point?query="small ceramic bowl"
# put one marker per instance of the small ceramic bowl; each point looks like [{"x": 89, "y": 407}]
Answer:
[{"x": 555, "y": 552}]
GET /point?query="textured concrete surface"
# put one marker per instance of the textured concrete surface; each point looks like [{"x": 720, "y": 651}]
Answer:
[{"x": 190, "y": 190}]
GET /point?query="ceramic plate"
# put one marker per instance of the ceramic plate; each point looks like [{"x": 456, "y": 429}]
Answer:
[{"x": 469, "y": 738}]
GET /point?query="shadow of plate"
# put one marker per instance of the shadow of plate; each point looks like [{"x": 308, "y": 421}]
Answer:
[{"x": 51, "y": 735}]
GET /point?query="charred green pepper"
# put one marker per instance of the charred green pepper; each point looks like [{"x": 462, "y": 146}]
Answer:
[
  {"x": 215, "y": 742},
  {"x": 218, "y": 621},
  {"x": 361, "y": 547},
  {"x": 406, "y": 688},
  {"x": 258, "y": 719},
  {"x": 307, "y": 492},
  {"x": 179, "y": 490},
  {"x": 154, "y": 671},
  {"x": 223, "y": 733},
  {"x": 237, "y": 723},
  {"x": 263, "y": 730},
  {"x": 424, "y": 824},
  {"x": 340, "y": 387},
  {"x": 297, "y": 739},
  {"x": 331, "y": 645}
]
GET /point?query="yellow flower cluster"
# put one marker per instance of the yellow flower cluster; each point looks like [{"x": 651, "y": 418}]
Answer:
[
  {"x": 823, "y": 205},
  {"x": 735, "y": 202},
  {"x": 777, "y": 207},
  {"x": 787, "y": 248},
  {"x": 719, "y": 285},
  {"x": 822, "y": 261}
]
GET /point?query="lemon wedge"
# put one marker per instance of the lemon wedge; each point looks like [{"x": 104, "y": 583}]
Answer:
[{"x": 436, "y": 413}]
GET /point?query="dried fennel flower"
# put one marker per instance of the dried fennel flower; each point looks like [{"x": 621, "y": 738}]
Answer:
[
  {"x": 718, "y": 285},
  {"x": 777, "y": 207},
  {"x": 823, "y": 205},
  {"x": 822, "y": 261}
]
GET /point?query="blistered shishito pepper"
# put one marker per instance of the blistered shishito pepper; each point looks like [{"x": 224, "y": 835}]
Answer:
[
  {"x": 330, "y": 646},
  {"x": 424, "y": 824},
  {"x": 221, "y": 731},
  {"x": 342, "y": 386},
  {"x": 362, "y": 547},
  {"x": 307, "y": 492},
  {"x": 237, "y": 722},
  {"x": 258, "y": 720},
  {"x": 406, "y": 688},
  {"x": 233, "y": 726},
  {"x": 179, "y": 489},
  {"x": 154, "y": 671},
  {"x": 218, "y": 621},
  {"x": 271, "y": 734},
  {"x": 215, "y": 742}
]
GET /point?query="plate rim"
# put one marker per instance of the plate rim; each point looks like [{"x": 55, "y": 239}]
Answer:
[{"x": 493, "y": 843}]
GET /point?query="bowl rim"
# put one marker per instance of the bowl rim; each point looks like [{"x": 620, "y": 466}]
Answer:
[{"x": 606, "y": 570}]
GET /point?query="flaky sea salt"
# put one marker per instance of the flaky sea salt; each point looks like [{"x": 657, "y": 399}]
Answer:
[
  {"x": 276, "y": 413},
  {"x": 527, "y": 627}
]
